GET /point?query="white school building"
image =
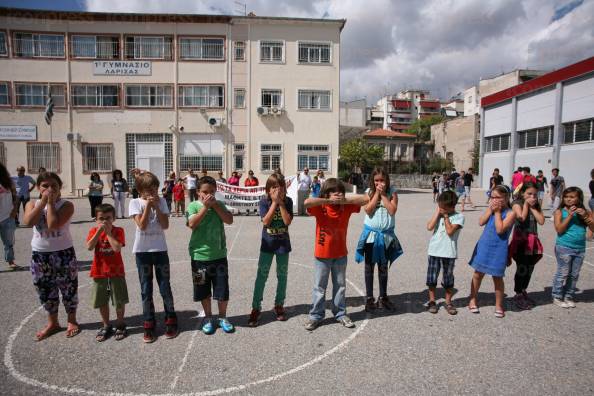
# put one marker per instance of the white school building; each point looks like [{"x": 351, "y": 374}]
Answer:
[
  {"x": 168, "y": 93},
  {"x": 544, "y": 123}
]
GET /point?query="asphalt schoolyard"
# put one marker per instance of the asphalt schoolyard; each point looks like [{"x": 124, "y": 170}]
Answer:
[{"x": 548, "y": 350}]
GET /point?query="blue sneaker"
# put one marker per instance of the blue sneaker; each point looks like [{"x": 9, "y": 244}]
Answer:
[
  {"x": 226, "y": 325},
  {"x": 209, "y": 327}
]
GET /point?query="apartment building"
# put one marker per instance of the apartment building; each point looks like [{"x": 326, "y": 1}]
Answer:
[
  {"x": 398, "y": 112},
  {"x": 168, "y": 93}
]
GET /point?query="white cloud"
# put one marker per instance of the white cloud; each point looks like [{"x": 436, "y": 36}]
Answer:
[{"x": 440, "y": 45}]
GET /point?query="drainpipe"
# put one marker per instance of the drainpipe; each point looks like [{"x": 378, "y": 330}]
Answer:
[
  {"x": 514, "y": 138},
  {"x": 249, "y": 95},
  {"x": 481, "y": 145},
  {"x": 176, "y": 132},
  {"x": 557, "y": 135},
  {"x": 70, "y": 121},
  {"x": 229, "y": 101}
]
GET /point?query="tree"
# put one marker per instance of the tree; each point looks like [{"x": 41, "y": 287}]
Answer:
[
  {"x": 422, "y": 128},
  {"x": 358, "y": 153}
]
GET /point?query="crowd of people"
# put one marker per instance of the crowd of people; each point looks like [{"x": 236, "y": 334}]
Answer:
[{"x": 54, "y": 266}]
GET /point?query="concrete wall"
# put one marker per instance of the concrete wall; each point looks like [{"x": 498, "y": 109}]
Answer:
[
  {"x": 456, "y": 136},
  {"x": 498, "y": 119},
  {"x": 472, "y": 101},
  {"x": 353, "y": 114}
]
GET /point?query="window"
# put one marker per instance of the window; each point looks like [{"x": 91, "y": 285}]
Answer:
[
  {"x": 38, "y": 155},
  {"x": 239, "y": 53},
  {"x": 272, "y": 51},
  {"x": 95, "y": 47},
  {"x": 97, "y": 157},
  {"x": 149, "y": 96},
  {"x": 95, "y": 95},
  {"x": 239, "y": 98},
  {"x": 201, "y": 96},
  {"x": 201, "y": 151},
  {"x": 470, "y": 99},
  {"x": 4, "y": 94},
  {"x": 314, "y": 53},
  {"x": 238, "y": 155},
  {"x": 2, "y": 154},
  {"x": 36, "y": 94},
  {"x": 314, "y": 100},
  {"x": 535, "y": 137},
  {"x": 271, "y": 98},
  {"x": 579, "y": 131},
  {"x": 270, "y": 156},
  {"x": 313, "y": 157},
  {"x": 149, "y": 47},
  {"x": 202, "y": 48},
  {"x": 3, "y": 45},
  {"x": 403, "y": 149},
  {"x": 497, "y": 143},
  {"x": 30, "y": 45}
]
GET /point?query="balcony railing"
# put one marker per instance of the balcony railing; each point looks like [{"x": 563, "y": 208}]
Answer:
[
  {"x": 33, "y": 48},
  {"x": 149, "y": 49}
]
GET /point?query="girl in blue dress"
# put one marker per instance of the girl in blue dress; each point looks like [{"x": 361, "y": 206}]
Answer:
[{"x": 491, "y": 251}]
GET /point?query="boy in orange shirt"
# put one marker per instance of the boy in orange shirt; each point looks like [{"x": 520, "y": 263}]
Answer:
[
  {"x": 332, "y": 212},
  {"x": 107, "y": 271}
]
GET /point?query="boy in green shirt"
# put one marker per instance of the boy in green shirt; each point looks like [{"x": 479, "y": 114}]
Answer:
[{"x": 208, "y": 253}]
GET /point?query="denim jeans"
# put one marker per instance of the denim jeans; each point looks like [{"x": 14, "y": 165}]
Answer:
[
  {"x": 337, "y": 268},
  {"x": 145, "y": 261},
  {"x": 7, "y": 228},
  {"x": 569, "y": 263}
]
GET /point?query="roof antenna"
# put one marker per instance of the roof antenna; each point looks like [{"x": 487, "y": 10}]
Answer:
[{"x": 240, "y": 8}]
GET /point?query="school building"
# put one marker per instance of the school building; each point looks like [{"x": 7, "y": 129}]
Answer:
[
  {"x": 168, "y": 92},
  {"x": 543, "y": 123}
]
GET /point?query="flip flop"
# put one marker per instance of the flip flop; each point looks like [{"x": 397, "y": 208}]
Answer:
[
  {"x": 42, "y": 335},
  {"x": 14, "y": 267},
  {"x": 73, "y": 332},
  {"x": 474, "y": 309},
  {"x": 499, "y": 314}
]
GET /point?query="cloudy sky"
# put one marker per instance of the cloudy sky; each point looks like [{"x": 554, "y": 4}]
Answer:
[{"x": 388, "y": 45}]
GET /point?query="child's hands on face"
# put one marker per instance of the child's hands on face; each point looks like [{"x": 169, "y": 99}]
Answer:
[
  {"x": 380, "y": 188},
  {"x": 531, "y": 201},
  {"x": 208, "y": 200},
  {"x": 442, "y": 212},
  {"x": 336, "y": 198},
  {"x": 274, "y": 193},
  {"x": 107, "y": 227},
  {"x": 581, "y": 212}
]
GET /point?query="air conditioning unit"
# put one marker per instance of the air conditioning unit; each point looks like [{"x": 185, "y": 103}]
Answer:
[
  {"x": 214, "y": 122},
  {"x": 276, "y": 110},
  {"x": 262, "y": 111}
]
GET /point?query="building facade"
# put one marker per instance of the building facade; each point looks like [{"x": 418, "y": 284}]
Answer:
[
  {"x": 354, "y": 113},
  {"x": 397, "y": 146},
  {"x": 545, "y": 123},
  {"x": 168, "y": 93},
  {"x": 455, "y": 139},
  {"x": 398, "y": 112}
]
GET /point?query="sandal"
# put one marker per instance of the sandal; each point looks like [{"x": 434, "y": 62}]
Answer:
[
  {"x": 432, "y": 307},
  {"x": 121, "y": 333},
  {"x": 72, "y": 331},
  {"x": 451, "y": 309},
  {"x": 499, "y": 314},
  {"x": 47, "y": 332},
  {"x": 13, "y": 266},
  {"x": 104, "y": 333},
  {"x": 474, "y": 309}
]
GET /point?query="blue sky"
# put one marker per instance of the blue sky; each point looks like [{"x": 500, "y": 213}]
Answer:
[{"x": 444, "y": 46}]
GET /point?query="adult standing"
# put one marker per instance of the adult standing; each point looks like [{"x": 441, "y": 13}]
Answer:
[
  {"x": 95, "y": 192},
  {"x": 495, "y": 180},
  {"x": 452, "y": 179},
  {"x": 234, "y": 179},
  {"x": 591, "y": 201},
  {"x": 191, "y": 180},
  {"x": 251, "y": 180},
  {"x": 303, "y": 186},
  {"x": 9, "y": 205},
  {"x": 434, "y": 184},
  {"x": 321, "y": 177},
  {"x": 468, "y": 180},
  {"x": 119, "y": 188},
  {"x": 168, "y": 189},
  {"x": 556, "y": 190},
  {"x": 541, "y": 182},
  {"x": 517, "y": 178},
  {"x": 221, "y": 179},
  {"x": 24, "y": 185}
]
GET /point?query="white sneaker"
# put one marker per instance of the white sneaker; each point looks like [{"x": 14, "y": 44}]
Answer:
[
  {"x": 560, "y": 303},
  {"x": 570, "y": 303}
]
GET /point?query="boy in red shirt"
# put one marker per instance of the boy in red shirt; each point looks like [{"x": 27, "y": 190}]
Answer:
[
  {"x": 107, "y": 271},
  {"x": 179, "y": 197},
  {"x": 332, "y": 212}
]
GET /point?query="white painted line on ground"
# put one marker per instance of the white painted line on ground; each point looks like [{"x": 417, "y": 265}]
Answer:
[
  {"x": 235, "y": 238},
  {"x": 183, "y": 362},
  {"x": 555, "y": 258}
]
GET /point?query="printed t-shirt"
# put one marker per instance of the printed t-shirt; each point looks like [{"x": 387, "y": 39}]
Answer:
[
  {"x": 208, "y": 240},
  {"x": 331, "y": 229},
  {"x": 106, "y": 262},
  {"x": 152, "y": 238},
  {"x": 275, "y": 237}
]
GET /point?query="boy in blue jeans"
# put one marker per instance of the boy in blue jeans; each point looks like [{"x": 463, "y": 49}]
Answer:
[{"x": 208, "y": 254}]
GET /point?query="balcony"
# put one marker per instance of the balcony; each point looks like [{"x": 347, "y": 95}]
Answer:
[{"x": 399, "y": 127}]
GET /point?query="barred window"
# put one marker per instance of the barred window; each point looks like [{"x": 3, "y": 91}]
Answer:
[
  {"x": 497, "y": 143},
  {"x": 271, "y": 98},
  {"x": 149, "y": 47},
  {"x": 314, "y": 100},
  {"x": 535, "y": 137},
  {"x": 97, "y": 157},
  {"x": 4, "y": 94},
  {"x": 201, "y": 96},
  {"x": 38, "y": 155},
  {"x": 238, "y": 155},
  {"x": 3, "y": 45},
  {"x": 270, "y": 156},
  {"x": 239, "y": 98},
  {"x": 272, "y": 51},
  {"x": 95, "y": 47},
  {"x": 32, "y": 45},
  {"x": 578, "y": 131},
  {"x": 314, "y": 53},
  {"x": 313, "y": 156},
  {"x": 36, "y": 94},
  {"x": 202, "y": 48},
  {"x": 95, "y": 95},
  {"x": 239, "y": 53},
  {"x": 149, "y": 96}
]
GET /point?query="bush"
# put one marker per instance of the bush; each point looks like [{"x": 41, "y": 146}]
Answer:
[{"x": 439, "y": 164}]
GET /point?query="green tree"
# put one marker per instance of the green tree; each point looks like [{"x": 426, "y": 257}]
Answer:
[
  {"x": 422, "y": 128},
  {"x": 358, "y": 153}
]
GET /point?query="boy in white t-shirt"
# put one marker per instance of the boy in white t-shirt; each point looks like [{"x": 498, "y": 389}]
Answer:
[
  {"x": 445, "y": 224},
  {"x": 150, "y": 213}
]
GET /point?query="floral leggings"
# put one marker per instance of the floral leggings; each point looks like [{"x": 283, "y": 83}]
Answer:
[{"x": 54, "y": 273}]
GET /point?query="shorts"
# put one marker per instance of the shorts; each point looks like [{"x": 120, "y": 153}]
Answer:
[
  {"x": 433, "y": 267},
  {"x": 211, "y": 279},
  {"x": 105, "y": 289},
  {"x": 435, "y": 190}
]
